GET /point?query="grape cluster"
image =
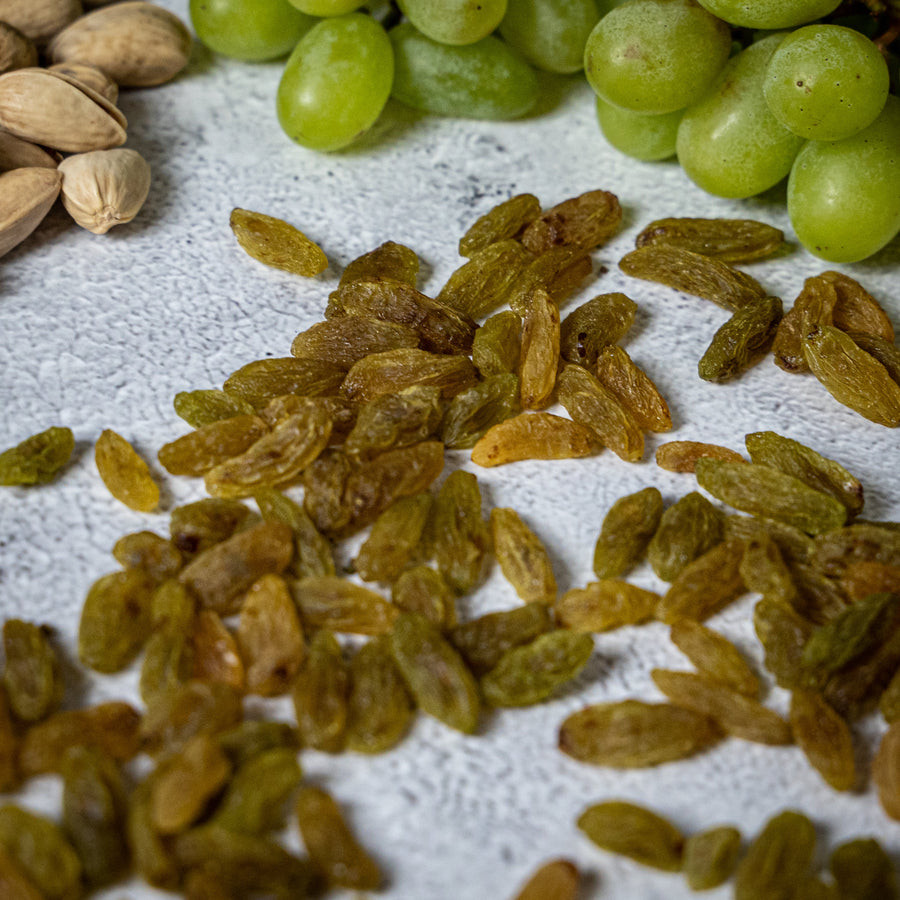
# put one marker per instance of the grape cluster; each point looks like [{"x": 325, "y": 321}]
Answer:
[{"x": 745, "y": 93}]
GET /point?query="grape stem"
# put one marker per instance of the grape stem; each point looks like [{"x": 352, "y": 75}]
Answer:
[
  {"x": 886, "y": 13},
  {"x": 890, "y": 34}
]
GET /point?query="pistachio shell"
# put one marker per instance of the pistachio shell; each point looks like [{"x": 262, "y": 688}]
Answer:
[
  {"x": 26, "y": 196},
  {"x": 94, "y": 78},
  {"x": 104, "y": 188},
  {"x": 137, "y": 44},
  {"x": 49, "y": 109},
  {"x": 39, "y": 20},
  {"x": 18, "y": 154},
  {"x": 16, "y": 50},
  {"x": 99, "y": 98}
]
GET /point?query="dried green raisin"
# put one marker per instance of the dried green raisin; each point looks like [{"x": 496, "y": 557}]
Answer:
[
  {"x": 687, "y": 529},
  {"x": 539, "y": 358},
  {"x": 505, "y": 220},
  {"x": 320, "y": 694},
  {"x": 599, "y": 322},
  {"x": 634, "y": 388},
  {"x": 585, "y": 221},
  {"x": 742, "y": 341},
  {"x": 853, "y": 377},
  {"x": 538, "y": 435},
  {"x": 435, "y": 673},
  {"x": 710, "y": 857},
  {"x": 270, "y": 637},
  {"x": 276, "y": 458},
  {"x": 770, "y": 449},
  {"x": 462, "y": 537},
  {"x": 313, "y": 552},
  {"x": 496, "y": 346},
  {"x": 205, "y": 406},
  {"x": 220, "y": 575},
  {"x": 198, "y": 451},
  {"x": 387, "y": 260},
  {"x": 523, "y": 559},
  {"x": 94, "y": 807},
  {"x": 256, "y": 795},
  {"x": 761, "y": 490},
  {"x": 115, "y": 620},
  {"x": 863, "y": 871},
  {"x": 380, "y": 708},
  {"x": 38, "y": 458},
  {"x": 626, "y": 531},
  {"x": 472, "y": 412},
  {"x": 604, "y": 605},
  {"x": 394, "y": 420},
  {"x": 531, "y": 673},
  {"x": 632, "y": 734},
  {"x": 825, "y": 738},
  {"x": 42, "y": 851},
  {"x": 714, "y": 656},
  {"x": 393, "y": 538},
  {"x": 693, "y": 273},
  {"x": 778, "y": 859},
  {"x": 594, "y": 406},
  {"x": 424, "y": 590},
  {"x": 442, "y": 326},
  {"x": 32, "y": 674},
  {"x": 736, "y": 713},
  {"x": 332, "y": 602},
  {"x": 125, "y": 473},
  {"x": 276, "y": 243},
  {"x": 331, "y": 845},
  {"x": 705, "y": 585},
  {"x": 635, "y": 832},
  {"x": 731, "y": 240},
  {"x": 483, "y": 283},
  {"x": 558, "y": 879}
]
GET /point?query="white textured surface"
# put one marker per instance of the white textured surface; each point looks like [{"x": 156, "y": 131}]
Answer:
[{"x": 100, "y": 332}]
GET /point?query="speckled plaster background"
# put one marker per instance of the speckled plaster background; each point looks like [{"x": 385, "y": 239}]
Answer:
[{"x": 102, "y": 331}]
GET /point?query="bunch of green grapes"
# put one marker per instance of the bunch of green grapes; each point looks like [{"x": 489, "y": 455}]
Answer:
[
  {"x": 465, "y": 58},
  {"x": 748, "y": 93}
]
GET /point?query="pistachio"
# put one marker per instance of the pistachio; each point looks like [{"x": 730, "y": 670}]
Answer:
[
  {"x": 26, "y": 196},
  {"x": 51, "y": 109},
  {"x": 91, "y": 76},
  {"x": 39, "y": 20},
  {"x": 104, "y": 188},
  {"x": 18, "y": 154},
  {"x": 137, "y": 44},
  {"x": 16, "y": 50}
]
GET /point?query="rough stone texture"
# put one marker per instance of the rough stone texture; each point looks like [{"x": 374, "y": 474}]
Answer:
[{"x": 102, "y": 331}]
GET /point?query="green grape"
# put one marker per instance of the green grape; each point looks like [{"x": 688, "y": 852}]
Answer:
[
  {"x": 550, "y": 34},
  {"x": 730, "y": 143},
  {"x": 826, "y": 82},
  {"x": 843, "y": 196},
  {"x": 336, "y": 82},
  {"x": 656, "y": 56},
  {"x": 325, "y": 8},
  {"x": 770, "y": 13},
  {"x": 485, "y": 80},
  {"x": 454, "y": 21},
  {"x": 252, "y": 30},
  {"x": 641, "y": 136}
]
